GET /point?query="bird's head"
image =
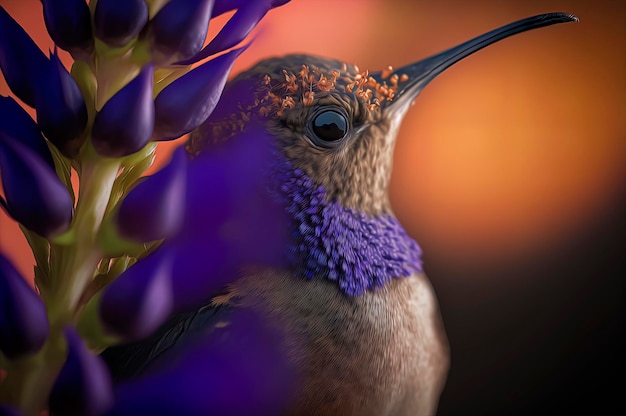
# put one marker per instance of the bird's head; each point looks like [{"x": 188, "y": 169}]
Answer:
[
  {"x": 334, "y": 122},
  {"x": 333, "y": 128}
]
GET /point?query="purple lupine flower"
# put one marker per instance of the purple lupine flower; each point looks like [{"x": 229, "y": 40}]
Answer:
[
  {"x": 154, "y": 209},
  {"x": 69, "y": 25},
  {"x": 178, "y": 30},
  {"x": 21, "y": 61},
  {"x": 16, "y": 123},
  {"x": 84, "y": 386},
  {"x": 248, "y": 15},
  {"x": 240, "y": 370},
  {"x": 118, "y": 22},
  {"x": 61, "y": 109},
  {"x": 23, "y": 321},
  {"x": 35, "y": 196},
  {"x": 231, "y": 220},
  {"x": 124, "y": 125},
  {"x": 188, "y": 101},
  {"x": 242, "y": 229},
  {"x": 140, "y": 300}
]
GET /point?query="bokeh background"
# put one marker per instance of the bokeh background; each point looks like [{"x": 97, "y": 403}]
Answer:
[{"x": 510, "y": 172}]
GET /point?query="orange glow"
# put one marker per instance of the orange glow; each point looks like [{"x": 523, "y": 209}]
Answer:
[{"x": 509, "y": 151}]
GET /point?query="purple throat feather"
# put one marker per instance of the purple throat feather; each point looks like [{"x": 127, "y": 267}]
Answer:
[{"x": 358, "y": 251}]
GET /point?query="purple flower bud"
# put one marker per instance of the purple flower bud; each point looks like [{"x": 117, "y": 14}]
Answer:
[
  {"x": 231, "y": 219},
  {"x": 23, "y": 320},
  {"x": 237, "y": 94},
  {"x": 61, "y": 109},
  {"x": 35, "y": 196},
  {"x": 21, "y": 61},
  {"x": 201, "y": 267},
  {"x": 241, "y": 369},
  {"x": 229, "y": 194},
  {"x": 154, "y": 209},
  {"x": 119, "y": 21},
  {"x": 278, "y": 3},
  {"x": 84, "y": 385},
  {"x": 140, "y": 299},
  {"x": 124, "y": 125},
  {"x": 69, "y": 24},
  {"x": 178, "y": 30},
  {"x": 223, "y": 6},
  {"x": 188, "y": 101},
  {"x": 236, "y": 29},
  {"x": 16, "y": 123},
  {"x": 248, "y": 15}
]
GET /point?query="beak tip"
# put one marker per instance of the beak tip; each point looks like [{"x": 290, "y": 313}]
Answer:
[{"x": 568, "y": 17}]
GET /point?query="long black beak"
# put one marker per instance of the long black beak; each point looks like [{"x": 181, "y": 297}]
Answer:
[{"x": 422, "y": 72}]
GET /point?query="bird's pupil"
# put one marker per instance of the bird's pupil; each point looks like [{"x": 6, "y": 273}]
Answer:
[{"x": 330, "y": 126}]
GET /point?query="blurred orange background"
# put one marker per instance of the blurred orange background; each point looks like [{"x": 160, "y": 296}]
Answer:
[{"x": 507, "y": 164}]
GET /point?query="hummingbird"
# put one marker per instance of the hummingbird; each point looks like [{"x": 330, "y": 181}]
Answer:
[{"x": 358, "y": 316}]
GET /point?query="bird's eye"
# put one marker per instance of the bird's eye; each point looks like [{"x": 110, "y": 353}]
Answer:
[{"x": 329, "y": 127}]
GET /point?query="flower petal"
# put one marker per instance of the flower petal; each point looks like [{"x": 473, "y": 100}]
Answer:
[
  {"x": 248, "y": 15},
  {"x": 240, "y": 369},
  {"x": 236, "y": 29},
  {"x": 35, "y": 196},
  {"x": 16, "y": 123},
  {"x": 140, "y": 299},
  {"x": 223, "y": 6},
  {"x": 61, "y": 109},
  {"x": 187, "y": 102},
  {"x": 178, "y": 30},
  {"x": 118, "y": 22},
  {"x": 83, "y": 386},
  {"x": 154, "y": 209},
  {"x": 69, "y": 24},
  {"x": 23, "y": 320},
  {"x": 232, "y": 219},
  {"x": 21, "y": 61},
  {"x": 240, "y": 93},
  {"x": 124, "y": 125}
]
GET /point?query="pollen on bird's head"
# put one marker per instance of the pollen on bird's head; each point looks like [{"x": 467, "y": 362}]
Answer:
[
  {"x": 279, "y": 95},
  {"x": 275, "y": 86}
]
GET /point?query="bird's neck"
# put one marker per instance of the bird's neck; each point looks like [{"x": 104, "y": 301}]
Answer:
[{"x": 341, "y": 244}]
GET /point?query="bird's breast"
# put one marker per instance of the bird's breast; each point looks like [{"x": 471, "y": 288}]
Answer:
[{"x": 382, "y": 353}]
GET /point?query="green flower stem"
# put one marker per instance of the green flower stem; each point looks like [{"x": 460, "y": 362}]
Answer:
[{"x": 77, "y": 260}]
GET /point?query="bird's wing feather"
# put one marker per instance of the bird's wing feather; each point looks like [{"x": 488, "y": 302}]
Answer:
[{"x": 130, "y": 360}]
